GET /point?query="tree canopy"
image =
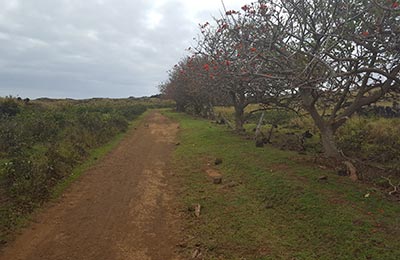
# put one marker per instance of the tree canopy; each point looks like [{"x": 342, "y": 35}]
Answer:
[{"x": 328, "y": 58}]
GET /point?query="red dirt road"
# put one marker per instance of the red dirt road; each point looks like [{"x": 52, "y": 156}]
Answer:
[{"x": 120, "y": 209}]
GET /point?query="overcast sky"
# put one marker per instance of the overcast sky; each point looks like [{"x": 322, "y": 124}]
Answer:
[{"x": 95, "y": 48}]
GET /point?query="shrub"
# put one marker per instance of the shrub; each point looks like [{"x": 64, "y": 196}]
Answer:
[
  {"x": 374, "y": 139},
  {"x": 9, "y": 107},
  {"x": 26, "y": 181},
  {"x": 42, "y": 142}
]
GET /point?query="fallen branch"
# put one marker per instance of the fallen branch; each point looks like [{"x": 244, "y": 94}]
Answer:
[
  {"x": 395, "y": 187},
  {"x": 355, "y": 160},
  {"x": 227, "y": 122}
]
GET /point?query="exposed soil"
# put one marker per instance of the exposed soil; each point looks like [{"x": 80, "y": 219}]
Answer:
[{"x": 122, "y": 208}]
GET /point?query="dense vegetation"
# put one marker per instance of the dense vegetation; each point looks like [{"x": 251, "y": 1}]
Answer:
[
  {"x": 41, "y": 142},
  {"x": 325, "y": 73},
  {"x": 326, "y": 59}
]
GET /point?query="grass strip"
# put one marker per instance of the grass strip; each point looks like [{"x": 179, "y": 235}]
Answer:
[{"x": 272, "y": 203}]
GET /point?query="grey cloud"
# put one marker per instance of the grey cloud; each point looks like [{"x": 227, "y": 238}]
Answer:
[{"x": 75, "y": 48}]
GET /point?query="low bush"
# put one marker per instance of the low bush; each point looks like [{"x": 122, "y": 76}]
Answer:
[
  {"x": 9, "y": 107},
  {"x": 41, "y": 142},
  {"x": 376, "y": 140}
]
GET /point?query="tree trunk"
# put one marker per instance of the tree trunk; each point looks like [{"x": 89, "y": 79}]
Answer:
[
  {"x": 326, "y": 128},
  {"x": 239, "y": 118},
  {"x": 238, "y": 100},
  {"x": 270, "y": 133},
  {"x": 328, "y": 142},
  {"x": 180, "y": 107}
]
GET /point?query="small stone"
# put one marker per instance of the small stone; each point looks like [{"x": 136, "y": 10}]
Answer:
[
  {"x": 323, "y": 178},
  {"x": 217, "y": 179},
  {"x": 269, "y": 205},
  {"x": 218, "y": 161},
  {"x": 231, "y": 184},
  {"x": 197, "y": 209},
  {"x": 215, "y": 176},
  {"x": 342, "y": 172},
  {"x": 178, "y": 143},
  {"x": 181, "y": 244},
  {"x": 259, "y": 143}
]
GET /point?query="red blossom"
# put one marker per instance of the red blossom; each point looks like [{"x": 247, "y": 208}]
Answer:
[
  {"x": 395, "y": 5},
  {"x": 366, "y": 33},
  {"x": 230, "y": 12},
  {"x": 206, "y": 67},
  {"x": 253, "y": 49},
  {"x": 227, "y": 62},
  {"x": 204, "y": 25},
  {"x": 245, "y": 7}
]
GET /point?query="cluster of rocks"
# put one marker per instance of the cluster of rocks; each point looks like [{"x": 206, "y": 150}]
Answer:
[{"x": 381, "y": 111}]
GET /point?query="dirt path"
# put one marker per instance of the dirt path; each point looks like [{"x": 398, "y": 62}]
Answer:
[{"x": 120, "y": 209}]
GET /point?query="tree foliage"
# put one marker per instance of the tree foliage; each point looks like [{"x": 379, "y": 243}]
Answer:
[{"x": 329, "y": 58}]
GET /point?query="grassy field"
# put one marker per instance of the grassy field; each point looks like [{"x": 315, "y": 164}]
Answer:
[{"x": 272, "y": 203}]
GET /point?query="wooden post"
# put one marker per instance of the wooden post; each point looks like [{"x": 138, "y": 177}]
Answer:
[{"x": 259, "y": 140}]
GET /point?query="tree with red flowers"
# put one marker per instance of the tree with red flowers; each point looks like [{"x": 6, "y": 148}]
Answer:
[
  {"x": 192, "y": 85},
  {"x": 230, "y": 45},
  {"x": 339, "y": 56},
  {"x": 335, "y": 56},
  {"x": 332, "y": 57}
]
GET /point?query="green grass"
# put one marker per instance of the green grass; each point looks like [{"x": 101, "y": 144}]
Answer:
[{"x": 276, "y": 208}]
